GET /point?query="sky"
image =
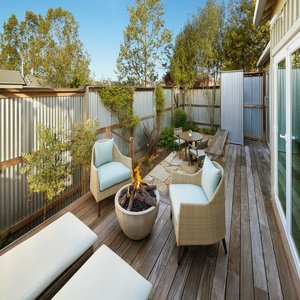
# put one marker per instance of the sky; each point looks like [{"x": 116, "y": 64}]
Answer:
[{"x": 101, "y": 24}]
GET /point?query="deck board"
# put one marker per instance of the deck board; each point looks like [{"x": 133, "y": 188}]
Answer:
[{"x": 256, "y": 265}]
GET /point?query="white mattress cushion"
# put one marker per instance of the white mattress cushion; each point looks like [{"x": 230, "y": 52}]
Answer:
[
  {"x": 29, "y": 268},
  {"x": 105, "y": 276}
]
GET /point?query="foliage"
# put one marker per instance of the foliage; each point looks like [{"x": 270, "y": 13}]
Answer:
[
  {"x": 179, "y": 118},
  {"x": 146, "y": 44},
  {"x": 198, "y": 47},
  {"x": 244, "y": 42},
  {"x": 166, "y": 138},
  {"x": 119, "y": 99},
  {"x": 159, "y": 104},
  {"x": 47, "y": 169},
  {"x": 150, "y": 140},
  {"x": 211, "y": 131},
  {"x": 191, "y": 126},
  {"x": 49, "y": 47},
  {"x": 83, "y": 139}
]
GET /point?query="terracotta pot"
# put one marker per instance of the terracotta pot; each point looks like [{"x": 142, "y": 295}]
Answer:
[{"x": 136, "y": 225}]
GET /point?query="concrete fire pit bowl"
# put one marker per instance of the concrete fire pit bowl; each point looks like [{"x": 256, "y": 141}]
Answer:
[{"x": 136, "y": 225}]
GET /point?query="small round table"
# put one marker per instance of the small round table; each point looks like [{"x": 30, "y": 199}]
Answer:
[{"x": 194, "y": 137}]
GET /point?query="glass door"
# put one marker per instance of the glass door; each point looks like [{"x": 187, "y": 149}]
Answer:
[
  {"x": 287, "y": 142},
  {"x": 295, "y": 141},
  {"x": 281, "y": 136}
]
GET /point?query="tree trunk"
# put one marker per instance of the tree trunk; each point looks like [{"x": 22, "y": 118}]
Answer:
[
  {"x": 83, "y": 179},
  {"x": 212, "y": 119}
]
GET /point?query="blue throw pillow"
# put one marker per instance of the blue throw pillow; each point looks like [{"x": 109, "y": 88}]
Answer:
[
  {"x": 103, "y": 152},
  {"x": 211, "y": 177}
]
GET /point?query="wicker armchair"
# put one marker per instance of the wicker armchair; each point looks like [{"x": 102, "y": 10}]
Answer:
[
  {"x": 197, "y": 222},
  {"x": 98, "y": 194}
]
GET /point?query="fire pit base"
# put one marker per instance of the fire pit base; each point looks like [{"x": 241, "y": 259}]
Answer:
[{"x": 136, "y": 225}]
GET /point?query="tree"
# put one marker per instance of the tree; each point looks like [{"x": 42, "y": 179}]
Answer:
[
  {"x": 198, "y": 52},
  {"x": 49, "y": 47},
  {"x": 244, "y": 42},
  {"x": 146, "y": 44},
  {"x": 48, "y": 169},
  {"x": 82, "y": 140}
]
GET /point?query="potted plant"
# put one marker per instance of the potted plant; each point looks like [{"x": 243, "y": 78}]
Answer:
[{"x": 136, "y": 206}]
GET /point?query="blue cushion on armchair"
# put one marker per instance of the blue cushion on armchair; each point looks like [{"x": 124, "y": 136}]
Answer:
[
  {"x": 103, "y": 152},
  {"x": 112, "y": 173}
]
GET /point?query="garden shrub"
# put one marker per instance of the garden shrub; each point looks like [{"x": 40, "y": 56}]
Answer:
[
  {"x": 166, "y": 138},
  {"x": 179, "y": 118},
  {"x": 159, "y": 100}
]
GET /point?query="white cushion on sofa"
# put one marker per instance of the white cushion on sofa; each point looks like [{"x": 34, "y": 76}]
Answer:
[
  {"x": 105, "y": 276},
  {"x": 30, "y": 267}
]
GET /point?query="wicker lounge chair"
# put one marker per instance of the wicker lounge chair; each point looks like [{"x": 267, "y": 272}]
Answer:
[
  {"x": 198, "y": 207},
  {"x": 109, "y": 171}
]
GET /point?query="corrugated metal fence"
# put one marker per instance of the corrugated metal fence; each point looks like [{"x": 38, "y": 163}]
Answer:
[
  {"x": 18, "y": 121},
  {"x": 22, "y": 110},
  {"x": 199, "y": 105},
  {"x": 232, "y": 105},
  {"x": 253, "y": 106}
]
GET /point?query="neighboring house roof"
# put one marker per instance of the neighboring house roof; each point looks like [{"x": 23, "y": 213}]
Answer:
[
  {"x": 265, "y": 56},
  {"x": 11, "y": 78},
  {"x": 263, "y": 11},
  {"x": 33, "y": 81}
]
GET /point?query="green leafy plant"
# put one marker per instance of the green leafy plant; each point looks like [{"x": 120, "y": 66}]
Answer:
[
  {"x": 211, "y": 131},
  {"x": 82, "y": 141},
  {"x": 119, "y": 99},
  {"x": 179, "y": 118},
  {"x": 191, "y": 126},
  {"x": 166, "y": 138},
  {"x": 160, "y": 104},
  {"x": 48, "y": 168}
]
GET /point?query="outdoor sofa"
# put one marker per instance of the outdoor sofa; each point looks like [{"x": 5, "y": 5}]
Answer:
[{"x": 42, "y": 264}]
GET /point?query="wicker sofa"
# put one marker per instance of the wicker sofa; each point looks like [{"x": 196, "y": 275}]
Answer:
[
  {"x": 107, "y": 178},
  {"x": 198, "y": 219}
]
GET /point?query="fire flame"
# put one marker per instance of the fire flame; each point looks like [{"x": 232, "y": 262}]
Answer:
[{"x": 136, "y": 178}]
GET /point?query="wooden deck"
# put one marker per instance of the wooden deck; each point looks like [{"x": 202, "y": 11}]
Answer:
[{"x": 256, "y": 265}]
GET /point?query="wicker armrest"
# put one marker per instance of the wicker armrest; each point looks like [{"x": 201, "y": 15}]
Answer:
[
  {"x": 186, "y": 178},
  {"x": 118, "y": 156}
]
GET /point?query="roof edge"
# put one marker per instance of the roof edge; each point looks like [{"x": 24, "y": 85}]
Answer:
[
  {"x": 259, "y": 10},
  {"x": 264, "y": 56}
]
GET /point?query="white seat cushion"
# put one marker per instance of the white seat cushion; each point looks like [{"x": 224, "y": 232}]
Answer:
[
  {"x": 105, "y": 276},
  {"x": 29, "y": 268},
  {"x": 186, "y": 193},
  {"x": 197, "y": 153},
  {"x": 179, "y": 141},
  {"x": 111, "y": 174},
  {"x": 211, "y": 177}
]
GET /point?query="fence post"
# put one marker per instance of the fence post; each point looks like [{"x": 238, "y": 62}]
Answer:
[
  {"x": 131, "y": 151},
  {"x": 85, "y": 110},
  {"x": 108, "y": 132}
]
